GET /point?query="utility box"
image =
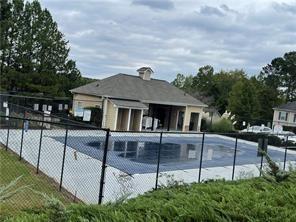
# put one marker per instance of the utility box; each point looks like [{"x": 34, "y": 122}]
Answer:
[{"x": 262, "y": 145}]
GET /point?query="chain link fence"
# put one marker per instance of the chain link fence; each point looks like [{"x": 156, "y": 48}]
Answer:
[{"x": 96, "y": 165}]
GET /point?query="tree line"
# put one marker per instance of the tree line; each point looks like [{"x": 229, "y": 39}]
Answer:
[
  {"x": 248, "y": 97},
  {"x": 34, "y": 53}
]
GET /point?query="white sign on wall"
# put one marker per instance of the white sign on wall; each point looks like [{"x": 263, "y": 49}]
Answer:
[
  {"x": 36, "y": 106},
  {"x": 7, "y": 113},
  {"x": 86, "y": 115},
  {"x": 5, "y": 104},
  {"x": 278, "y": 128},
  {"x": 78, "y": 112},
  {"x": 44, "y": 107}
]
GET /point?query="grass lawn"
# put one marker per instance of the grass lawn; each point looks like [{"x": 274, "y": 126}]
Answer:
[
  {"x": 10, "y": 169},
  {"x": 245, "y": 200}
]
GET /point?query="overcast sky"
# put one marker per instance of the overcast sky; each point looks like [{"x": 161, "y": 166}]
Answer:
[{"x": 174, "y": 36}]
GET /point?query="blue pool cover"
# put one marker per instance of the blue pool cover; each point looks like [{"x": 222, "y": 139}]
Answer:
[{"x": 137, "y": 155}]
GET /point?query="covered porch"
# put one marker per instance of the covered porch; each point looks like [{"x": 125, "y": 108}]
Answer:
[
  {"x": 137, "y": 116},
  {"x": 128, "y": 115},
  {"x": 173, "y": 118}
]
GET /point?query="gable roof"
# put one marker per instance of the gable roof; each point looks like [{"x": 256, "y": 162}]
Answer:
[
  {"x": 144, "y": 69},
  {"x": 288, "y": 106},
  {"x": 130, "y": 87}
]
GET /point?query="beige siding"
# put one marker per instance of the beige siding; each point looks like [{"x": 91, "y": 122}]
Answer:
[
  {"x": 111, "y": 116},
  {"x": 86, "y": 101},
  {"x": 188, "y": 111},
  {"x": 289, "y": 122}
]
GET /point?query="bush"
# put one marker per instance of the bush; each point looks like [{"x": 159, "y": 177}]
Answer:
[
  {"x": 223, "y": 126},
  {"x": 254, "y": 199},
  {"x": 254, "y": 137}
]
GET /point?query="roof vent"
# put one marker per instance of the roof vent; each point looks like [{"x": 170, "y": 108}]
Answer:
[{"x": 145, "y": 73}]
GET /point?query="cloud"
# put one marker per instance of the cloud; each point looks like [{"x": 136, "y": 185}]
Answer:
[
  {"x": 155, "y": 4},
  {"x": 208, "y": 10},
  {"x": 227, "y": 9},
  {"x": 82, "y": 33},
  {"x": 285, "y": 7},
  {"x": 120, "y": 36}
]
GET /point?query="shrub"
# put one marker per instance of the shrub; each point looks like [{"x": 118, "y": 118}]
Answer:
[
  {"x": 223, "y": 126},
  {"x": 11, "y": 189},
  {"x": 254, "y": 137}
]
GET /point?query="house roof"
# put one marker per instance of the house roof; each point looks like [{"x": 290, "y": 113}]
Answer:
[
  {"x": 287, "y": 106},
  {"x": 128, "y": 104},
  {"x": 144, "y": 69},
  {"x": 131, "y": 87}
]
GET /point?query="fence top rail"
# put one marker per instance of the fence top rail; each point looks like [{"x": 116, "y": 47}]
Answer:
[
  {"x": 54, "y": 123},
  {"x": 34, "y": 97},
  {"x": 200, "y": 133},
  {"x": 51, "y": 115}
]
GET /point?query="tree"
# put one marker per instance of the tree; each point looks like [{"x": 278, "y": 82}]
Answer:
[
  {"x": 33, "y": 49},
  {"x": 268, "y": 98},
  {"x": 223, "y": 83},
  {"x": 243, "y": 100},
  {"x": 211, "y": 88},
  {"x": 281, "y": 75},
  {"x": 203, "y": 81},
  {"x": 179, "y": 81}
]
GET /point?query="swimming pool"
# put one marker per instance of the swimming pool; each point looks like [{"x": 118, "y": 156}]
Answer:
[{"x": 139, "y": 154}]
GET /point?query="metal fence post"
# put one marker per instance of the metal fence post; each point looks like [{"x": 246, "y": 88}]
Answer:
[
  {"x": 234, "y": 157},
  {"x": 201, "y": 154},
  {"x": 286, "y": 150},
  {"x": 7, "y": 137},
  {"x": 40, "y": 143},
  {"x": 261, "y": 163},
  {"x": 22, "y": 140},
  {"x": 64, "y": 155},
  {"x": 103, "y": 169},
  {"x": 158, "y": 160}
]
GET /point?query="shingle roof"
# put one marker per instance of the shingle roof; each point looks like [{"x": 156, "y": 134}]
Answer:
[
  {"x": 128, "y": 103},
  {"x": 124, "y": 86},
  {"x": 288, "y": 106},
  {"x": 144, "y": 69}
]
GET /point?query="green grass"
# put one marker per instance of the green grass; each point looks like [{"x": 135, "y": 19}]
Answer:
[
  {"x": 10, "y": 169},
  {"x": 245, "y": 200}
]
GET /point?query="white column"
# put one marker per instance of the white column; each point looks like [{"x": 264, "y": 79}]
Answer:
[
  {"x": 141, "y": 120},
  {"x": 186, "y": 118},
  {"x": 177, "y": 120},
  {"x": 115, "y": 119},
  {"x": 128, "y": 120},
  {"x": 105, "y": 113},
  {"x": 199, "y": 121}
]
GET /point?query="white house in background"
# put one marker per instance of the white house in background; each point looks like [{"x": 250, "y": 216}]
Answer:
[{"x": 285, "y": 115}]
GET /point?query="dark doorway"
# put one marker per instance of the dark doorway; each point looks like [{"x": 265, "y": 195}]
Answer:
[
  {"x": 193, "y": 125},
  {"x": 180, "y": 120}
]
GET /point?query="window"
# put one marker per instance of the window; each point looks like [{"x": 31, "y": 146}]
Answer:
[
  {"x": 36, "y": 106},
  {"x": 60, "y": 107},
  {"x": 44, "y": 107},
  {"x": 295, "y": 118},
  {"x": 283, "y": 116}
]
